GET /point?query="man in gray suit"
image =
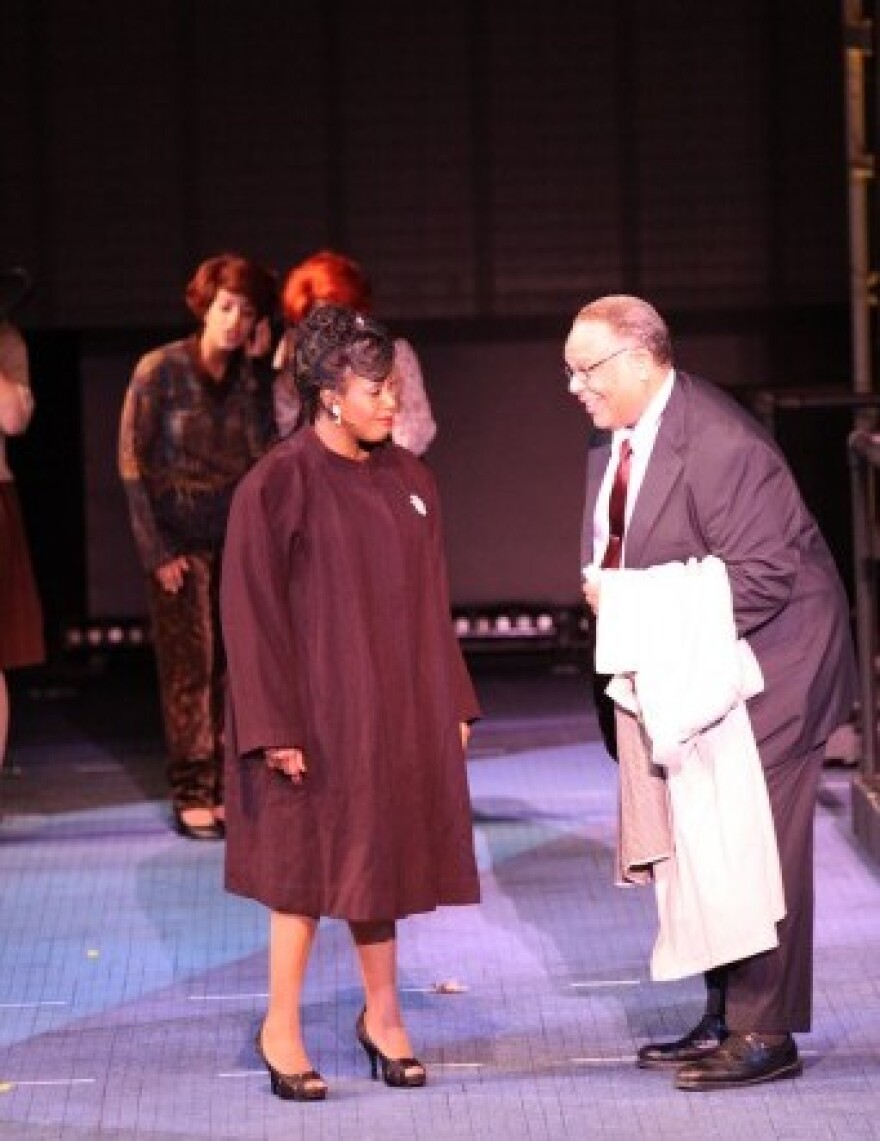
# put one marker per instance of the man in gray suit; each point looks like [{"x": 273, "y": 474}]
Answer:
[{"x": 704, "y": 479}]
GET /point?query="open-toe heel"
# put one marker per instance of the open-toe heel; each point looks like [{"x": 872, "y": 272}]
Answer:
[
  {"x": 400, "y": 1073},
  {"x": 306, "y": 1086}
]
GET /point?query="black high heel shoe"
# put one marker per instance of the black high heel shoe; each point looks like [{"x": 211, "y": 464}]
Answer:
[
  {"x": 307, "y": 1086},
  {"x": 401, "y": 1073}
]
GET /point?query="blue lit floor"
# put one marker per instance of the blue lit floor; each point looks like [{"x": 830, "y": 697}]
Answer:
[{"x": 131, "y": 986}]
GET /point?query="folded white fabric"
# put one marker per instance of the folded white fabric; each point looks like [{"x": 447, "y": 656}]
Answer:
[
  {"x": 672, "y": 627},
  {"x": 667, "y": 634}
]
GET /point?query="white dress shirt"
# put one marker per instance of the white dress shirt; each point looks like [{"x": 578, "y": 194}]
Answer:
[{"x": 641, "y": 438}]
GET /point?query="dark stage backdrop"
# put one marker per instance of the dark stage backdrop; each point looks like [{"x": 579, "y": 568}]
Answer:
[
  {"x": 494, "y": 163},
  {"x": 509, "y": 456},
  {"x": 485, "y": 158}
]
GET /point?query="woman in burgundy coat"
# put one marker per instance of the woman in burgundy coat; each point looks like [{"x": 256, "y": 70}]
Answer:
[{"x": 349, "y": 702}]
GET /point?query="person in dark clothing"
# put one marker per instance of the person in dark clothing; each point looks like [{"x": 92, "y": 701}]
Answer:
[
  {"x": 197, "y": 414},
  {"x": 349, "y": 702},
  {"x": 704, "y": 479}
]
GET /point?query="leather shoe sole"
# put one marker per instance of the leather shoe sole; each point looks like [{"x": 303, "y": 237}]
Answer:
[
  {"x": 741, "y": 1061},
  {"x": 701, "y": 1042}
]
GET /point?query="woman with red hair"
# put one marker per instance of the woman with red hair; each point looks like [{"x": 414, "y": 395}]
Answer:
[{"x": 332, "y": 278}]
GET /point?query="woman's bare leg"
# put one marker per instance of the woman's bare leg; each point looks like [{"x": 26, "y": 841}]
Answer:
[
  {"x": 290, "y": 941},
  {"x": 376, "y": 945}
]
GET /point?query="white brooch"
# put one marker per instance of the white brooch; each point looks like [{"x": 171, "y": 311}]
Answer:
[{"x": 418, "y": 503}]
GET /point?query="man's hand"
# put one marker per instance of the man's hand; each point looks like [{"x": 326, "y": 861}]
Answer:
[
  {"x": 592, "y": 591},
  {"x": 592, "y": 586}
]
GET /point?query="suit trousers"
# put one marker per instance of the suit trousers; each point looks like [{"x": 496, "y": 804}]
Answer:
[
  {"x": 191, "y": 665},
  {"x": 772, "y": 992}
]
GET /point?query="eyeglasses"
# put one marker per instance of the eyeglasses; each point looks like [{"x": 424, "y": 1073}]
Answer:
[{"x": 583, "y": 374}]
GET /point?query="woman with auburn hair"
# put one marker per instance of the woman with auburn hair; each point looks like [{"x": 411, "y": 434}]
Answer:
[
  {"x": 197, "y": 414},
  {"x": 325, "y": 278}
]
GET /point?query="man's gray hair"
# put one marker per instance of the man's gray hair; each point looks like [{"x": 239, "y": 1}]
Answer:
[{"x": 633, "y": 320}]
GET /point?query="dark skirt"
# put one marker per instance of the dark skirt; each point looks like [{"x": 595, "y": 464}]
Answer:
[{"x": 21, "y": 618}]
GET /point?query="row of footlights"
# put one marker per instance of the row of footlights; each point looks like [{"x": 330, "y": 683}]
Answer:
[{"x": 477, "y": 626}]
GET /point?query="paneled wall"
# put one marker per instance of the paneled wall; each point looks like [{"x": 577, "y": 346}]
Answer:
[
  {"x": 494, "y": 163},
  {"x": 485, "y": 158}
]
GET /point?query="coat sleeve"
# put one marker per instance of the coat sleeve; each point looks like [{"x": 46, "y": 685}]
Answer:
[
  {"x": 286, "y": 404},
  {"x": 414, "y": 425},
  {"x": 140, "y": 432},
  {"x": 258, "y": 633},
  {"x": 751, "y": 514}
]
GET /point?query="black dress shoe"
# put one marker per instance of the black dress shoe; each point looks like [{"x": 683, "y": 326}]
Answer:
[
  {"x": 743, "y": 1060},
  {"x": 698, "y": 1043},
  {"x": 213, "y": 831}
]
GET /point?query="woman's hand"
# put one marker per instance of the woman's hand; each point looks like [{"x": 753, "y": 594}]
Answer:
[
  {"x": 465, "y": 730},
  {"x": 260, "y": 341},
  {"x": 291, "y": 762},
  {"x": 171, "y": 574}
]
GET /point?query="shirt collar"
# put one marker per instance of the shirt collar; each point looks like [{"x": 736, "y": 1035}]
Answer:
[{"x": 646, "y": 428}]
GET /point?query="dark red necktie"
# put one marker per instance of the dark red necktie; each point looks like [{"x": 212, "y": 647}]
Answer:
[{"x": 617, "y": 509}]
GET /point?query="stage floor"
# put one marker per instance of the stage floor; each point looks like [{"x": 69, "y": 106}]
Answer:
[{"x": 131, "y": 985}]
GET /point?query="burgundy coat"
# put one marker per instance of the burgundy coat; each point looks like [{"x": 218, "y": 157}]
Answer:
[{"x": 339, "y": 640}]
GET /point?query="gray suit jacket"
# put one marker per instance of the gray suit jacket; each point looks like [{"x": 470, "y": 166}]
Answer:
[{"x": 717, "y": 484}]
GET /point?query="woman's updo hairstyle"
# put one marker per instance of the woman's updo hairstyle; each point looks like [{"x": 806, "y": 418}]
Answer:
[{"x": 330, "y": 340}]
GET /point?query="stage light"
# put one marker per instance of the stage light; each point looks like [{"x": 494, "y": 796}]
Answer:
[
  {"x": 521, "y": 628},
  {"x": 112, "y": 634}
]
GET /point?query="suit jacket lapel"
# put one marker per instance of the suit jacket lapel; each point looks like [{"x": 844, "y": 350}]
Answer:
[
  {"x": 598, "y": 455},
  {"x": 662, "y": 474}
]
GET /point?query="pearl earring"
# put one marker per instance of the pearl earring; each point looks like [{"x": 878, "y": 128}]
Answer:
[{"x": 336, "y": 412}]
